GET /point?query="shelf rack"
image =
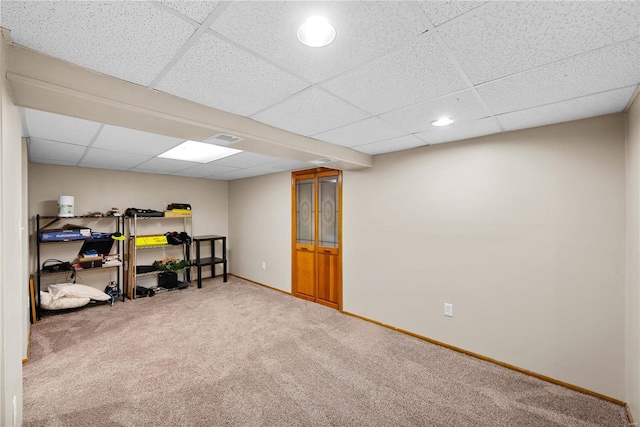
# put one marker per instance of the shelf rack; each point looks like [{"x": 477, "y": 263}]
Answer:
[{"x": 51, "y": 220}]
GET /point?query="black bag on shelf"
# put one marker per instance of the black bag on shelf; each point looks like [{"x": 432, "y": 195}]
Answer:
[
  {"x": 173, "y": 206},
  {"x": 142, "y": 212},
  {"x": 175, "y": 238},
  {"x": 56, "y": 265}
]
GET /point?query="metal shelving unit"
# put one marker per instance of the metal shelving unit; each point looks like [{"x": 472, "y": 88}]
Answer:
[
  {"x": 42, "y": 222},
  {"x": 132, "y": 249}
]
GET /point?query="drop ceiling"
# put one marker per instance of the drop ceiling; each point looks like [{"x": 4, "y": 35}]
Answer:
[{"x": 393, "y": 68}]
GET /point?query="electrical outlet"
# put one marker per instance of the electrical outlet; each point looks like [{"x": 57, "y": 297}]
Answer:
[
  {"x": 448, "y": 309},
  {"x": 264, "y": 265}
]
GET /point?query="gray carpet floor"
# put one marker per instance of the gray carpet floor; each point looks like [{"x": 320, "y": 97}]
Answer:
[{"x": 238, "y": 354}]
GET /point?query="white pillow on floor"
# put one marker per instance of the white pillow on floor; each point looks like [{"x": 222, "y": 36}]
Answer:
[
  {"x": 48, "y": 303},
  {"x": 76, "y": 290}
]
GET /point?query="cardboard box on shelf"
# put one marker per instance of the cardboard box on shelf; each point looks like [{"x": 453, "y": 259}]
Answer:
[{"x": 178, "y": 213}]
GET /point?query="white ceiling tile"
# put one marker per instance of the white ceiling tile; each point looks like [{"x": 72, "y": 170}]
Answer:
[
  {"x": 246, "y": 160},
  {"x": 220, "y": 75},
  {"x": 579, "y": 108},
  {"x": 460, "y": 107},
  {"x": 363, "y": 132},
  {"x": 391, "y": 145},
  {"x": 440, "y": 12},
  {"x": 240, "y": 174},
  {"x": 134, "y": 141},
  {"x": 508, "y": 37},
  {"x": 364, "y": 30},
  {"x": 163, "y": 166},
  {"x": 571, "y": 78},
  {"x": 196, "y": 10},
  {"x": 52, "y": 150},
  {"x": 309, "y": 112},
  {"x": 208, "y": 169},
  {"x": 411, "y": 74},
  {"x": 460, "y": 131},
  {"x": 284, "y": 165},
  {"x": 106, "y": 159},
  {"x": 60, "y": 128},
  {"x": 133, "y": 41}
]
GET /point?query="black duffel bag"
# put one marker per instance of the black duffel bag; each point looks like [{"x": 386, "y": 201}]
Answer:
[{"x": 142, "y": 212}]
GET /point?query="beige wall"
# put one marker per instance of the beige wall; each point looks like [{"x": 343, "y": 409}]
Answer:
[
  {"x": 522, "y": 232},
  {"x": 260, "y": 229},
  {"x": 100, "y": 190},
  {"x": 13, "y": 279},
  {"x": 632, "y": 296}
]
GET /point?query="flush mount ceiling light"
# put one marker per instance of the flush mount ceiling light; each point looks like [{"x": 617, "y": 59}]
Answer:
[
  {"x": 316, "y": 32},
  {"x": 194, "y": 151},
  {"x": 444, "y": 121}
]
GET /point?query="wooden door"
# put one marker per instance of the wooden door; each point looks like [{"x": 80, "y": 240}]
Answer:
[{"x": 316, "y": 220}]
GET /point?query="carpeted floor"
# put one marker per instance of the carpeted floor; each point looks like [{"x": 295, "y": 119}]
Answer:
[{"x": 239, "y": 354}]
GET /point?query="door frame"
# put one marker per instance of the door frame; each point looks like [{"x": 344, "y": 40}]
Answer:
[{"x": 294, "y": 175}]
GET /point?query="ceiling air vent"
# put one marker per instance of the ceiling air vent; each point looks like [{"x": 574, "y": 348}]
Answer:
[
  {"x": 321, "y": 161},
  {"x": 224, "y": 138}
]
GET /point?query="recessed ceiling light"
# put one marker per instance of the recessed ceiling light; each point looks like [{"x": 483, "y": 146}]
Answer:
[
  {"x": 316, "y": 32},
  {"x": 194, "y": 151},
  {"x": 444, "y": 121}
]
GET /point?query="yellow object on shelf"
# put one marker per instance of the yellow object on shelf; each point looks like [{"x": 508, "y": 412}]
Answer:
[
  {"x": 178, "y": 213},
  {"x": 151, "y": 240}
]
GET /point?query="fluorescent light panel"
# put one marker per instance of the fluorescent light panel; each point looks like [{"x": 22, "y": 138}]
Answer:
[{"x": 194, "y": 151}]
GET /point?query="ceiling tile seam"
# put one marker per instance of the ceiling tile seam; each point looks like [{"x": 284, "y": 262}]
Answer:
[
  {"x": 197, "y": 34},
  {"x": 566, "y": 100},
  {"x": 93, "y": 141},
  {"x": 174, "y": 12},
  {"x": 453, "y": 60},
  {"x": 362, "y": 120},
  {"x": 409, "y": 41},
  {"x": 566, "y": 58},
  {"x": 56, "y": 141},
  {"x": 257, "y": 55},
  {"x": 468, "y": 13}
]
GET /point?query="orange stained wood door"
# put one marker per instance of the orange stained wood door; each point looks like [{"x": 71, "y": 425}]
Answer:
[{"x": 316, "y": 231}]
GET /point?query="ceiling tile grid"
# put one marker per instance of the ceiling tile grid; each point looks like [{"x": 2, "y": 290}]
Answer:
[
  {"x": 196, "y": 10},
  {"x": 395, "y": 144},
  {"x": 365, "y": 30},
  {"x": 220, "y": 75},
  {"x": 365, "y": 131},
  {"x": 574, "y": 109},
  {"x": 440, "y": 12},
  {"x": 460, "y": 107},
  {"x": 125, "y": 140},
  {"x": 570, "y": 78},
  {"x": 459, "y": 131},
  {"x": 415, "y": 73},
  {"x": 509, "y": 37},
  {"x": 54, "y": 127},
  {"x": 310, "y": 112},
  {"x": 107, "y": 159},
  {"x": 239, "y": 174},
  {"x": 163, "y": 166},
  {"x": 133, "y": 41},
  {"x": 205, "y": 170},
  {"x": 45, "y": 149}
]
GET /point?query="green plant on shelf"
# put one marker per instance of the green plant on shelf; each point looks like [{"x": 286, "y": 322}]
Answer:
[{"x": 171, "y": 264}]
